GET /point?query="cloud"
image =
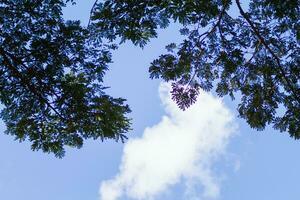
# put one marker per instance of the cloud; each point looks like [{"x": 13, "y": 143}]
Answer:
[{"x": 180, "y": 149}]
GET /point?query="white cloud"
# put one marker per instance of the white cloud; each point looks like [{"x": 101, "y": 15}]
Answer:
[{"x": 181, "y": 148}]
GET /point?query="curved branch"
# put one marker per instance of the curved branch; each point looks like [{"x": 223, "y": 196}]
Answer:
[{"x": 91, "y": 12}]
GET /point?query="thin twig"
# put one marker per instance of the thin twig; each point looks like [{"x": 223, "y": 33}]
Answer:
[
  {"x": 91, "y": 12},
  {"x": 206, "y": 34}
]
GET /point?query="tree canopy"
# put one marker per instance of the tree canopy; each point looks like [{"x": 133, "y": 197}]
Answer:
[
  {"x": 51, "y": 79},
  {"x": 51, "y": 70}
]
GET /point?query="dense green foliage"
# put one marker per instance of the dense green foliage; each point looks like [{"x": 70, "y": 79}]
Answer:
[
  {"x": 51, "y": 70},
  {"x": 255, "y": 56},
  {"x": 51, "y": 74}
]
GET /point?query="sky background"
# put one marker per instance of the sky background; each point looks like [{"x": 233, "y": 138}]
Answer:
[{"x": 224, "y": 158}]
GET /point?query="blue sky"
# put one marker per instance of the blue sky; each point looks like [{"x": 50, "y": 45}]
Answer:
[{"x": 231, "y": 164}]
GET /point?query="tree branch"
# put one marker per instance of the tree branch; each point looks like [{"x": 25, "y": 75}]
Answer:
[
  {"x": 206, "y": 34},
  {"x": 25, "y": 82},
  {"x": 91, "y": 12},
  {"x": 263, "y": 42}
]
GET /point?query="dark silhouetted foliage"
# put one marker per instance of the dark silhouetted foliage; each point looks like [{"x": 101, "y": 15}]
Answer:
[
  {"x": 51, "y": 70},
  {"x": 51, "y": 74},
  {"x": 255, "y": 55}
]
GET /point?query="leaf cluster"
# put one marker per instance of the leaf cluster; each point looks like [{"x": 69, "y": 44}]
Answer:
[{"x": 51, "y": 79}]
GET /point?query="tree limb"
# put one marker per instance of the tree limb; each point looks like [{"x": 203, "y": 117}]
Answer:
[
  {"x": 263, "y": 42},
  {"x": 25, "y": 82}
]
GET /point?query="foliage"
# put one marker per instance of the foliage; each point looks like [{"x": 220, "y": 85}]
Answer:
[
  {"x": 51, "y": 74},
  {"x": 51, "y": 70},
  {"x": 255, "y": 55}
]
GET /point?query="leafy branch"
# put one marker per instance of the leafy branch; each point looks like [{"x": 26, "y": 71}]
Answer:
[{"x": 263, "y": 42}]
